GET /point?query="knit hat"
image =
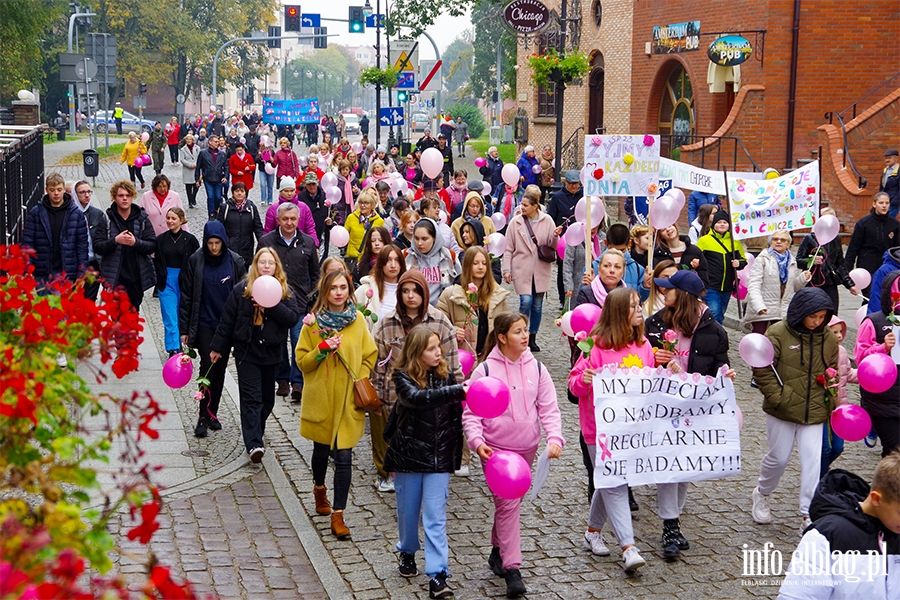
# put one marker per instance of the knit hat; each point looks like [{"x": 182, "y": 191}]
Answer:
[
  {"x": 721, "y": 215},
  {"x": 381, "y": 148},
  {"x": 287, "y": 183}
]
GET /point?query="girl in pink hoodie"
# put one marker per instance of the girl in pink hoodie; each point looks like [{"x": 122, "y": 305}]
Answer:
[
  {"x": 532, "y": 405},
  {"x": 618, "y": 341},
  {"x": 833, "y": 447}
]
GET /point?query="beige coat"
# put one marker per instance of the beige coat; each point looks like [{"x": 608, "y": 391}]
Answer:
[
  {"x": 328, "y": 414},
  {"x": 453, "y": 303},
  {"x": 521, "y": 259},
  {"x": 764, "y": 288}
]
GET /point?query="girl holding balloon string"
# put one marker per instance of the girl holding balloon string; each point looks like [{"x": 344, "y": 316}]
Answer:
[
  {"x": 532, "y": 405},
  {"x": 255, "y": 323},
  {"x": 618, "y": 341},
  {"x": 425, "y": 446}
]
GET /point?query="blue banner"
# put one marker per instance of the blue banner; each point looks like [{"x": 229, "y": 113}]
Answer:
[{"x": 291, "y": 112}]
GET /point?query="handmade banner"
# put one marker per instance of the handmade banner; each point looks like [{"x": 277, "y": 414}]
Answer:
[
  {"x": 621, "y": 165},
  {"x": 764, "y": 206},
  {"x": 690, "y": 177},
  {"x": 291, "y": 112},
  {"x": 657, "y": 427}
]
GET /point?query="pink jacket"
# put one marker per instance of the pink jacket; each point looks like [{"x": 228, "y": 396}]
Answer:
[
  {"x": 865, "y": 342},
  {"x": 456, "y": 194},
  {"x": 286, "y": 163},
  {"x": 597, "y": 360},
  {"x": 846, "y": 372},
  {"x": 520, "y": 257},
  {"x": 532, "y": 404},
  {"x": 157, "y": 213},
  {"x": 306, "y": 224}
]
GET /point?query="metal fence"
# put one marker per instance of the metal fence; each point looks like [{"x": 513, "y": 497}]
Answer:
[{"x": 21, "y": 177}]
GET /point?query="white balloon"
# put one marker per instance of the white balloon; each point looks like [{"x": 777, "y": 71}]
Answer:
[
  {"x": 496, "y": 244},
  {"x": 575, "y": 234},
  {"x": 442, "y": 217},
  {"x": 329, "y": 180},
  {"x": 860, "y": 277},
  {"x": 509, "y": 173},
  {"x": 432, "y": 163},
  {"x": 487, "y": 189},
  {"x": 598, "y": 211},
  {"x": 565, "y": 322}
]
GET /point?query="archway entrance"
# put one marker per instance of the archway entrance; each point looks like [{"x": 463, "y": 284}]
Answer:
[{"x": 676, "y": 110}]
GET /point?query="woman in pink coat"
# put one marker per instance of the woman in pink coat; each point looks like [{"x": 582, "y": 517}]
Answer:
[
  {"x": 286, "y": 162},
  {"x": 157, "y": 201},
  {"x": 521, "y": 265}
]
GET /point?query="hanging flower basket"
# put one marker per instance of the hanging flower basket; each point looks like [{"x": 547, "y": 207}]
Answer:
[{"x": 554, "y": 68}]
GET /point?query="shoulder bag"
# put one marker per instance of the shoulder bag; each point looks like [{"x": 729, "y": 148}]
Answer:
[
  {"x": 545, "y": 253},
  {"x": 364, "y": 395}
]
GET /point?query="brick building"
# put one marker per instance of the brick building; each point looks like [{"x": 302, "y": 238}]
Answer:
[{"x": 846, "y": 53}]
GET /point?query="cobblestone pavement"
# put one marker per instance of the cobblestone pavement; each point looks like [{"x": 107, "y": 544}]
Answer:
[{"x": 240, "y": 532}]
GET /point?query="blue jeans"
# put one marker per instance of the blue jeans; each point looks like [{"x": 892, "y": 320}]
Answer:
[
  {"x": 425, "y": 494},
  {"x": 718, "y": 303},
  {"x": 266, "y": 183},
  {"x": 214, "y": 194},
  {"x": 531, "y": 307},
  {"x": 168, "y": 305},
  {"x": 831, "y": 451},
  {"x": 288, "y": 370}
]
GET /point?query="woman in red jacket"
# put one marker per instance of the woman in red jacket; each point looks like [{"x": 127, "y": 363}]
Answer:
[
  {"x": 172, "y": 139},
  {"x": 242, "y": 167},
  {"x": 286, "y": 162}
]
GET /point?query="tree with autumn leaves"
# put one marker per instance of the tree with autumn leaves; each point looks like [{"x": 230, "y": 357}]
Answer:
[{"x": 53, "y": 512}]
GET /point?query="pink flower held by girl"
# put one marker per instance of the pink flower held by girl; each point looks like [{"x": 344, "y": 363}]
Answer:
[
  {"x": 198, "y": 395},
  {"x": 580, "y": 336},
  {"x": 309, "y": 320},
  {"x": 370, "y": 292},
  {"x": 670, "y": 335},
  {"x": 472, "y": 288}
]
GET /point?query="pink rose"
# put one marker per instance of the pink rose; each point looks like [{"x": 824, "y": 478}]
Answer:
[
  {"x": 185, "y": 359},
  {"x": 309, "y": 320},
  {"x": 370, "y": 292},
  {"x": 695, "y": 263},
  {"x": 830, "y": 372},
  {"x": 198, "y": 396},
  {"x": 670, "y": 335},
  {"x": 472, "y": 288},
  {"x": 580, "y": 336}
]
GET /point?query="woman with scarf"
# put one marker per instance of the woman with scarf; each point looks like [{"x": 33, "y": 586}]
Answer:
[
  {"x": 526, "y": 164},
  {"x": 157, "y": 201},
  {"x": 348, "y": 183},
  {"x": 377, "y": 172},
  {"x": 242, "y": 166},
  {"x": 211, "y": 274},
  {"x": 188, "y": 155},
  {"x": 266, "y": 179},
  {"x": 335, "y": 348},
  {"x": 531, "y": 276},
  {"x": 360, "y": 221},
  {"x": 827, "y": 268},
  {"x": 286, "y": 162},
  {"x": 473, "y": 211},
  {"x": 774, "y": 278},
  {"x": 439, "y": 265},
  {"x": 507, "y": 200},
  {"x": 458, "y": 189},
  {"x": 173, "y": 249}
]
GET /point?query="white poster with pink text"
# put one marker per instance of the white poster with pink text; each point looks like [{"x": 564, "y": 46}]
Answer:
[{"x": 654, "y": 426}]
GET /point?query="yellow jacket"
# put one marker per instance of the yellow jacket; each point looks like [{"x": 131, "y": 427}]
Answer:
[
  {"x": 131, "y": 151},
  {"x": 355, "y": 225},
  {"x": 328, "y": 414}
]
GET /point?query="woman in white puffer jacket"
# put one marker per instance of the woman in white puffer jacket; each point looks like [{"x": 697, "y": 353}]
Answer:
[{"x": 774, "y": 278}]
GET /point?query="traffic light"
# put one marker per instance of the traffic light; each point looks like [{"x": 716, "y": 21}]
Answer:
[
  {"x": 143, "y": 89},
  {"x": 402, "y": 96},
  {"x": 274, "y": 31},
  {"x": 292, "y": 18},
  {"x": 320, "y": 41},
  {"x": 357, "y": 19}
]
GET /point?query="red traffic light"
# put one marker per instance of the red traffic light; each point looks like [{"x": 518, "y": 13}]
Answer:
[{"x": 292, "y": 11}]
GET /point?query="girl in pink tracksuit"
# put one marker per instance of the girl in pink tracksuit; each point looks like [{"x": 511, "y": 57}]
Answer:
[
  {"x": 618, "y": 341},
  {"x": 833, "y": 447},
  {"x": 532, "y": 405}
]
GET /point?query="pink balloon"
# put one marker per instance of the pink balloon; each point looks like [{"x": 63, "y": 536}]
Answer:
[
  {"x": 598, "y": 211},
  {"x": 509, "y": 173},
  {"x": 741, "y": 291},
  {"x": 396, "y": 186},
  {"x": 861, "y": 313},
  {"x": 851, "y": 422},
  {"x": 536, "y": 169},
  {"x": 488, "y": 397},
  {"x": 431, "y": 162},
  {"x": 877, "y": 373},
  {"x": 499, "y": 220},
  {"x": 678, "y": 195},
  {"x": 860, "y": 277},
  {"x": 565, "y": 322},
  {"x": 757, "y": 350},
  {"x": 145, "y": 136},
  {"x": 303, "y": 160},
  {"x": 507, "y": 474},
  {"x": 487, "y": 189},
  {"x": 177, "y": 374},
  {"x": 664, "y": 212},
  {"x": 267, "y": 291},
  {"x": 340, "y": 237},
  {"x": 147, "y": 160},
  {"x": 270, "y": 168},
  {"x": 496, "y": 244},
  {"x": 561, "y": 248},
  {"x": 139, "y": 161},
  {"x": 329, "y": 180},
  {"x": 357, "y": 147},
  {"x": 466, "y": 361},
  {"x": 740, "y": 416},
  {"x": 333, "y": 194},
  {"x": 826, "y": 229},
  {"x": 750, "y": 260},
  {"x": 480, "y": 162},
  {"x": 575, "y": 234},
  {"x": 584, "y": 317},
  {"x": 744, "y": 276}
]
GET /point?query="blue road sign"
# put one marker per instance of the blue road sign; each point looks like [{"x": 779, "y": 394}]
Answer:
[
  {"x": 310, "y": 20},
  {"x": 406, "y": 80},
  {"x": 391, "y": 115},
  {"x": 370, "y": 20}
]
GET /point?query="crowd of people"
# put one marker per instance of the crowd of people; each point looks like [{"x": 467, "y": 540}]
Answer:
[{"x": 418, "y": 282}]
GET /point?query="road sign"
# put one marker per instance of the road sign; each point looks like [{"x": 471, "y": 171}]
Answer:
[
  {"x": 391, "y": 115},
  {"x": 92, "y": 88},
  {"x": 140, "y": 102},
  {"x": 431, "y": 79},
  {"x": 86, "y": 69},
  {"x": 406, "y": 80},
  {"x": 102, "y": 48},
  {"x": 311, "y": 20},
  {"x": 67, "y": 62},
  {"x": 401, "y": 50},
  {"x": 370, "y": 20}
]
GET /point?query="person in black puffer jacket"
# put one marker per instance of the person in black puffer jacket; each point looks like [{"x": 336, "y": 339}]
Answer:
[
  {"x": 424, "y": 435},
  {"x": 701, "y": 346},
  {"x": 240, "y": 216},
  {"x": 689, "y": 255},
  {"x": 258, "y": 336},
  {"x": 873, "y": 235}
]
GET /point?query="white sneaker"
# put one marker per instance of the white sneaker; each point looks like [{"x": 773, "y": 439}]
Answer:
[
  {"x": 632, "y": 559},
  {"x": 463, "y": 471},
  {"x": 593, "y": 541},
  {"x": 806, "y": 523},
  {"x": 761, "y": 512},
  {"x": 384, "y": 485},
  {"x": 256, "y": 455}
]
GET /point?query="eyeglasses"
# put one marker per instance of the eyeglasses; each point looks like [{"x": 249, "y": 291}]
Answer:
[
  {"x": 85, "y": 192},
  {"x": 782, "y": 240}
]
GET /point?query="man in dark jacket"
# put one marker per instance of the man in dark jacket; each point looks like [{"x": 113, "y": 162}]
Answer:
[
  {"x": 561, "y": 207},
  {"x": 212, "y": 164},
  {"x": 242, "y": 223},
  {"x": 98, "y": 229},
  {"x": 300, "y": 261},
  {"x": 447, "y": 152},
  {"x": 127, "y": 248},
  {"x": 57, "y": 231},
  {"x": 364, "y": 125},
  {"x": 313, "y": 196},
  {"x": 890, "y": 181},
  {"x": 426, "y": 141}
]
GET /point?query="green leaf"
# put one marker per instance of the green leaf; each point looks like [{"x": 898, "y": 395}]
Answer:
[
  {"x": 203, "y": 381},
  {"x": 585, "y": 345},
  {"x": 65, "y": 447},
  {"x": 374, "y": 318}
]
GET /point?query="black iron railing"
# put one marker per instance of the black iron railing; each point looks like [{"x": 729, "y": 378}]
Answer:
[
  {"x": 713, "y": 156},
  {"x": 21, "y": 177},
  {"x": 892, "y": 81},
  {"x": 571, "y": 151}
]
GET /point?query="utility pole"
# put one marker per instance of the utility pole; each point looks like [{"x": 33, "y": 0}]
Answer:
[{"x": 72, "y": 18}]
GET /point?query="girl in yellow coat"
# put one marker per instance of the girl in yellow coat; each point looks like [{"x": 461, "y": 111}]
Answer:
[{"x": 333, "y": 343}]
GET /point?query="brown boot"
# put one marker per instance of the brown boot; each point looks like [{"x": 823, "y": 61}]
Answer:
[
  {"x": 321, "y": 494},
  {"x": 338, "y": 528}
]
